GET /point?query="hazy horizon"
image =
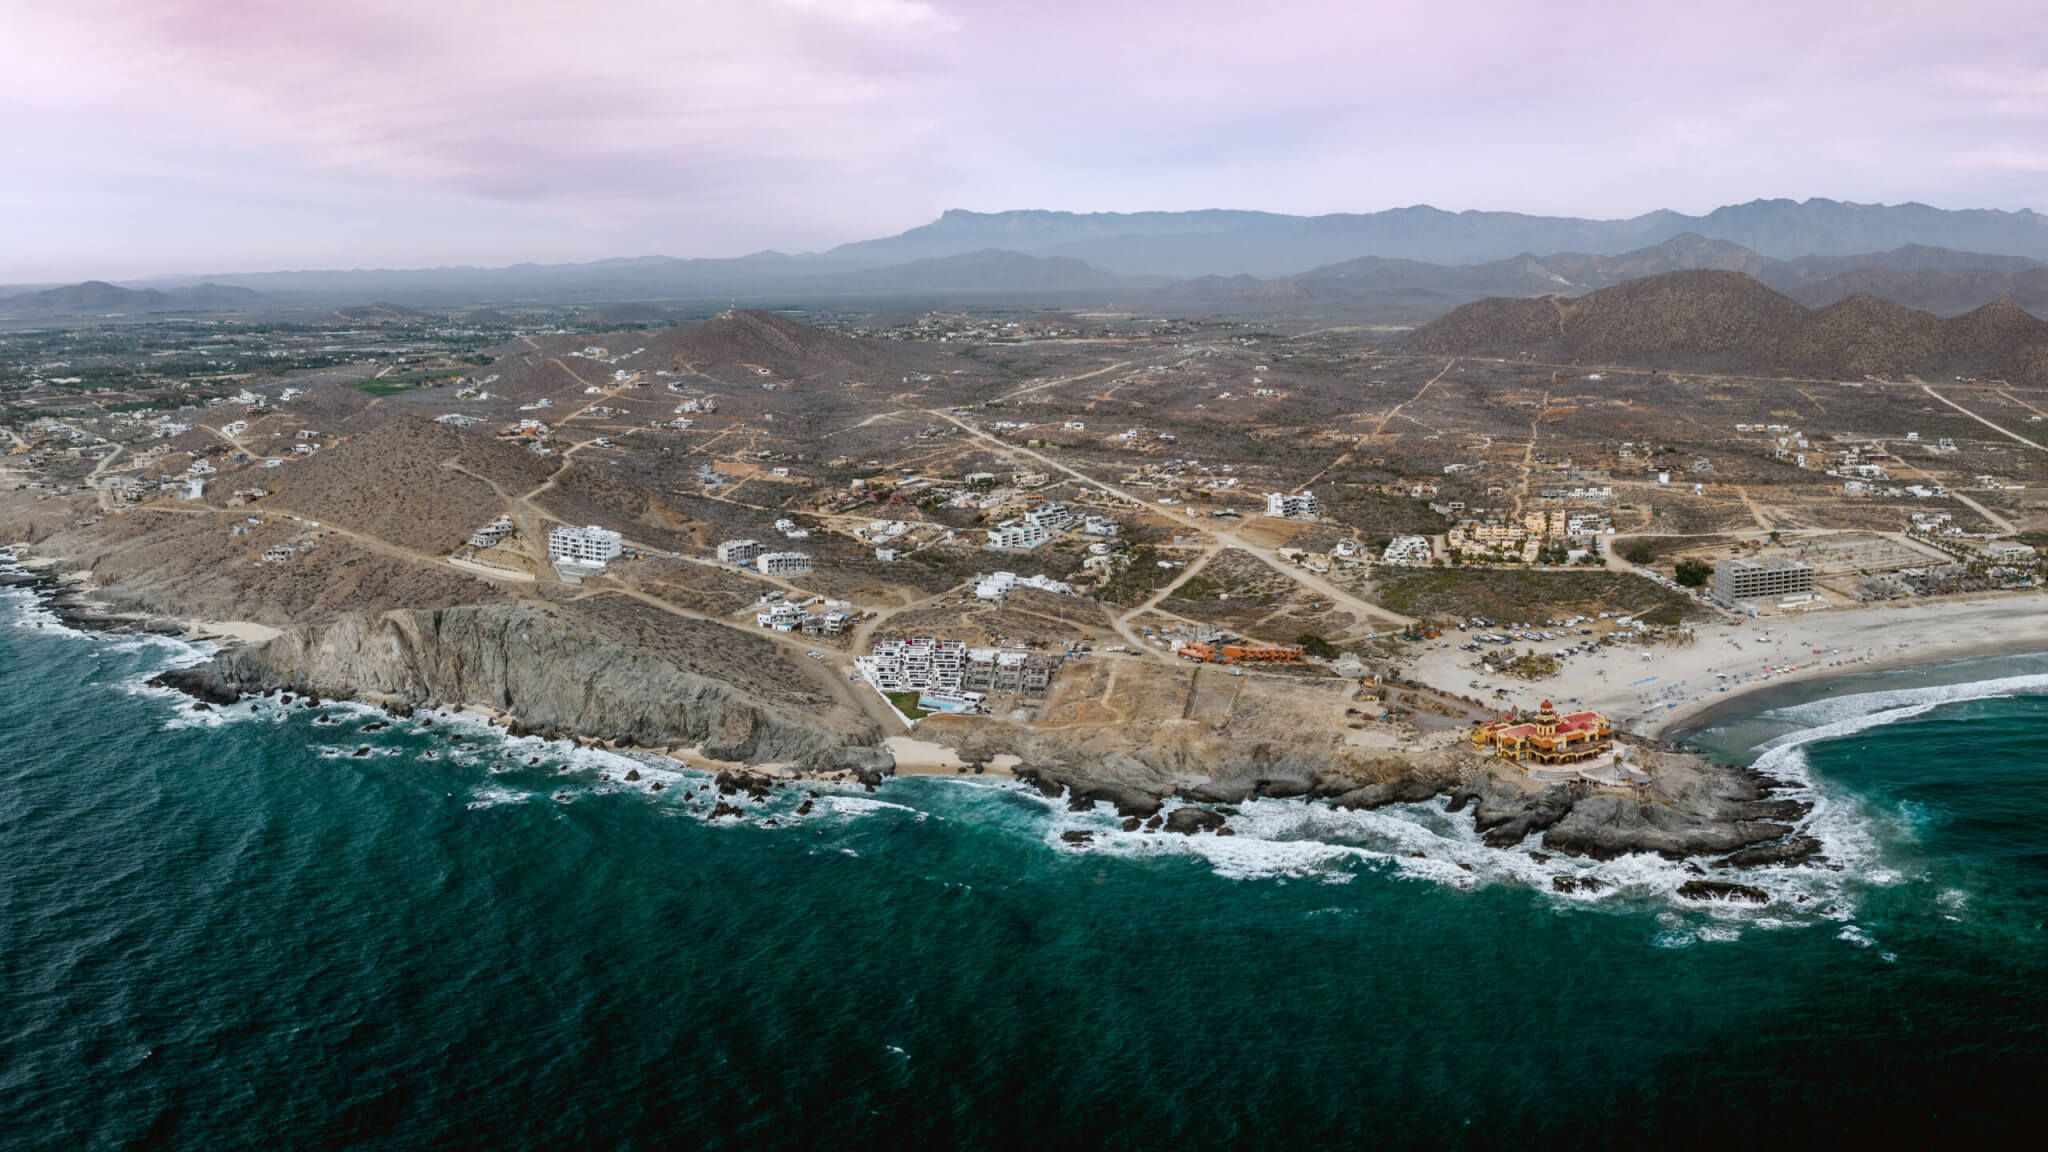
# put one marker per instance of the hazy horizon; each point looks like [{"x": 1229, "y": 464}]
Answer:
[{"x": 183, "y": 138}]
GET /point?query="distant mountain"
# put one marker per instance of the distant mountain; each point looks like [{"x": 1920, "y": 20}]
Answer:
[
  {"x": 1188, "y": 244},
  {"x": 1406, "y": 262},
  {"x": 1944, "y": 291},
  {"x": 1938, "y": 280},
  {"x": 1720, "y": 320},
  {"x": 96, "y": 297}
]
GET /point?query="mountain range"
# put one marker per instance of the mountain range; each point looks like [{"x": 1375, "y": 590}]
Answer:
[
  {"x": 97, "y": 296},
  {"x": 1919, "y": 276},
  {"x": 1187, "y": 244},
  {"x": 1718, "y": 320},
  {"x": 1401, "y": 265}
]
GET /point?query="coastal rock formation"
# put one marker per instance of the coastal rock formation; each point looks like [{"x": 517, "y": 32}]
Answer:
[
  {"x": 1693, "y": 808},
  {"x": 562, "y": 670},
  {"x": 1188, "y": 821}
]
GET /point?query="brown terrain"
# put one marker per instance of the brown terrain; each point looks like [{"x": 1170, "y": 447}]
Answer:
[{"x": 1731, "y": 322}]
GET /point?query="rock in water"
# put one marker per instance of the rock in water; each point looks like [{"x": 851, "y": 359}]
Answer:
[
  {"x": 1188, "y": 821},
  {"x": 1722, "y": 890},
  {"x": 1796, "y": 850}
]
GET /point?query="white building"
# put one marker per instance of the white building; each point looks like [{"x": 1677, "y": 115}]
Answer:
[
  {"x": 592, "y": 545},
  {"x": 1408, "y": 550},
  {"x": 739, "y": 551},
  {"x": 1738, "y": 580},
  {"x": 918, "y": 665},
  {"x": 782, "y": 563},
  {"x": 493, "y": 534},
  {"x": 1017, "y": 535},
  {"x": 1051, "y": 517},
  {"x": 1001, "y": 584},
  {"x": 1098, "y": 526},
  {"x": 1295, "y": 506}
]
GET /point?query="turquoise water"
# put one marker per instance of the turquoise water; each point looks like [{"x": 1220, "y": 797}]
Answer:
[{"x": 230, "y": 931}]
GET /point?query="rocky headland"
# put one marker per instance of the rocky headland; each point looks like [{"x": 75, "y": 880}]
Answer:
[{"x": 596, "y": 671}]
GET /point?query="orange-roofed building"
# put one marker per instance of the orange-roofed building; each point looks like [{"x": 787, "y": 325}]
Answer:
[{"x": 1547, "y": 737}]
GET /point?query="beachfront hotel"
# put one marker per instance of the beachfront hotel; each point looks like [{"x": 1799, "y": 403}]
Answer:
[{"x": 1547, "y": 737}]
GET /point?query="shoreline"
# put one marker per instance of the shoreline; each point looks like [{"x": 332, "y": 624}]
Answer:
[
  {"x": 1975, "y": 643},
  {"x": 1724, "y": 815},
  {"x": 1717, "y": 712},
  {"x": 1656, "y": 691}
]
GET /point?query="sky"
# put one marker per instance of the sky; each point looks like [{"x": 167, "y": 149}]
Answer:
[{"x": 150, "y": 137}]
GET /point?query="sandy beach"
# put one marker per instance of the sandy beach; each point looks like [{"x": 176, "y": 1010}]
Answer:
[
  {"x": 1652, "y": 690},
  {"x": 916, "y": 757}
]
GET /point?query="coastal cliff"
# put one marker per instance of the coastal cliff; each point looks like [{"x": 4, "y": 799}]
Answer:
[
  {"x": 606, "y": 668},
  {"x": 561, "y": 671}
]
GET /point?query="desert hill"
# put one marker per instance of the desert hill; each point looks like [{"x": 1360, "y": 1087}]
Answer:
[
  {"x": 1727, "y": 320},
  {"x": 728, "y": 344},
  {"x": 410, "y": 481},
  {"x": 1932, "y": 279}
]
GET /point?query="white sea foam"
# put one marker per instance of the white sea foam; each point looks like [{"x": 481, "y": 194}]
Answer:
[
  {"x": 1893, "y": 704},
  {"x": 494, "y": 797}
]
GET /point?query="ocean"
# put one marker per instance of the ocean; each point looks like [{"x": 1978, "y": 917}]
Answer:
[{"x": 229, "y": 929}]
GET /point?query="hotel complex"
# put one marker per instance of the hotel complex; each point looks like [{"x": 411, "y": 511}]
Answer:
[
  {"x": 1547, "y": 737},
  {"x": 1780, "y": 579}
]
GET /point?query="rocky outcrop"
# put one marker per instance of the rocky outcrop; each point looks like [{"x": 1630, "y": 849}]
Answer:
[
  {"x": 1722, "y": 891},
  {"x": 1606, "y": 826},
  {"x": 1693, "y": 808},
  {"x": 561, "y": 675},
  {"x": 1138, "y": 769},
  {"x": 1188, "y": 821},
  {"x": 1506, "y": 814},
  {"x": 1793, "y": 850}
]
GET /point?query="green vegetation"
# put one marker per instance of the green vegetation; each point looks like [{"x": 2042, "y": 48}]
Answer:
[
  {"x": 1508, "y": 595},
  {"x": 1529, "y": 665},
  {"x": 1639, "y": 552},
  {"x": 1693, "y": 573},
  {"x": 1316, "y": 646},
  {"x": 396, "y": 382},
  {"x": 906, "y": 703}
]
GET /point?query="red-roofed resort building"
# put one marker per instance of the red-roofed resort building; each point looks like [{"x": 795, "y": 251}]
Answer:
[{"x": 1547, "y": 737}]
